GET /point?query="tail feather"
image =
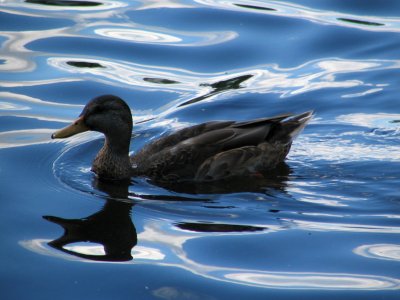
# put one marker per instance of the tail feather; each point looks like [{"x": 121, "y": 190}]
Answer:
[
  {"x": 301, "y": 120},
  {"x": 292, "y": 126}
]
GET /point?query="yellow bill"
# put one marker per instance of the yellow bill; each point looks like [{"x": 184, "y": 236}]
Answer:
[{"x": 76, "y": 127}]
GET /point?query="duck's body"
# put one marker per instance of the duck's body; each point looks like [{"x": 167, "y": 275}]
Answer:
[
  {"x": 213, "y": 151},
  {"x": 205, "y": 152}
]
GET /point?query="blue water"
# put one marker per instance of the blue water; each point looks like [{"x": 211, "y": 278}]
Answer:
[{"x": 326, "y": 227}]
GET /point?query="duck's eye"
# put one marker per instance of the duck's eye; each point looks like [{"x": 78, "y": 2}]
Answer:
[{"x": 97, "y": 110}]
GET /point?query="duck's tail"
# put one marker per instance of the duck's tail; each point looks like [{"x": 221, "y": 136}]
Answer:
[{"x": 292, "y": 126}]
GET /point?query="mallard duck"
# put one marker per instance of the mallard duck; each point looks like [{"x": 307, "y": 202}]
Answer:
[{"x": 209, "y": 151}]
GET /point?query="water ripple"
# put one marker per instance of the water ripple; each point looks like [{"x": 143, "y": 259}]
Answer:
[
  {"x": 291, "y": 10},
  {"x": 319, "y": 281},
  {"x": 172, "y": 38},
  {"x": 167, "y": 249},
  {"x": 343, "y": 227},
  {"x": 19, "y": 138},
  {"x": 374, "y": 137},
  {"x": 137, "y": 35},
  {"x": 312, "y": 76},
  {"x": 65, "y": 5},
  {"x": 379, "y": 251},
  {"x": 18, "y": 105}
]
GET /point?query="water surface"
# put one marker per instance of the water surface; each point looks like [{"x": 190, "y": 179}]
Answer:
[{"x": 326, "y": 226}]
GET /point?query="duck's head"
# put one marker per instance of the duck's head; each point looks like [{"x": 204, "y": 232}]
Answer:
[{"x": 107, "y": 114}]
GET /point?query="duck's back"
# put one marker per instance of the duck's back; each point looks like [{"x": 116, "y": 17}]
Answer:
[{"x": 219, "y": 149}]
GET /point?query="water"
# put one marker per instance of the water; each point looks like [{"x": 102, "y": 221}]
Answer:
[{"x": 327, "y": 226}]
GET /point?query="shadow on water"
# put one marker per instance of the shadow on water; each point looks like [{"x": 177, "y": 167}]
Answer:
[{"x": 113, "y": 228}]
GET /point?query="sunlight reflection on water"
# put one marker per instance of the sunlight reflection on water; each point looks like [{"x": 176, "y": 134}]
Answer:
[
  {"x": 379, "y": 251},
  {"x": 292, "y": 10},
  {"x": 192, "y": 39},
  {"x": 265, "y": 279},
  {"x": 19, "y": 138},
  {"x": 306, "y": 78}
]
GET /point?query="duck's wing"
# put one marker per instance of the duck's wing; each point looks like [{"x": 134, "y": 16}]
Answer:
[
  {"x": 184, "y": 134},
  {"x": 185, "y": 152},
  {"x": 250, "y": 159},
  {"x": 177, "y": 155},
  {"x": 282, "y": 128},
  {"x": 229, "y": 163}
]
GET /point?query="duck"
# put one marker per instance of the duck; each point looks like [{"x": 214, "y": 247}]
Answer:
[{"x": 206, "y": 152}]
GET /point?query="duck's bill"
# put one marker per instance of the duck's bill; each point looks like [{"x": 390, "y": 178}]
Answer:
[{"x": 76, "y": 127}]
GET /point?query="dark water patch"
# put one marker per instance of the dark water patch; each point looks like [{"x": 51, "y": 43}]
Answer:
[
  {"x": 213, "y": 227},
  {"x": 255, "y": 7},
  {"x": 84, "y": 64},
  {"x": 219, "y": 87},
  {"x": 360, "y": 22},
  {"x": 160, "y": 80},
  {"x": 229, "y": 84},
  {"x": 218, "y": 207},
  {"x": 65, "y": 3}
]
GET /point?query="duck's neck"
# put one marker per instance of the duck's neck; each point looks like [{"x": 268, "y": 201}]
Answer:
[{"x": 112, "y": 161}]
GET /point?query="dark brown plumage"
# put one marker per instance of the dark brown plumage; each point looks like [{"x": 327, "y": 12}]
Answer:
[{"x": 206, "y": 152}]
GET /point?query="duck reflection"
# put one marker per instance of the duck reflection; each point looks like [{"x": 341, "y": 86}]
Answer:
[{"x": 111, "y": 227}]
